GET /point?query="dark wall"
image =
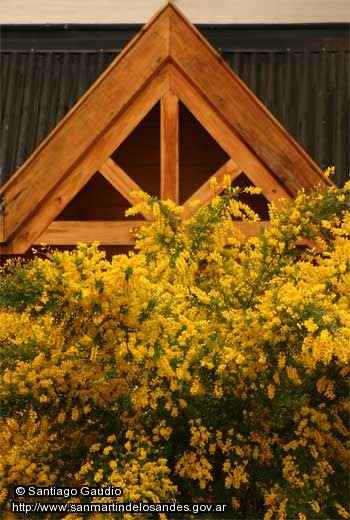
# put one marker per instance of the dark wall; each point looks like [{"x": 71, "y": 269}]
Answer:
[{"x": 301, "y": 73}]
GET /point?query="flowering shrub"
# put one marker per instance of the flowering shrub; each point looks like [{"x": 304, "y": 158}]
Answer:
[{"x": 206, "y": 367}]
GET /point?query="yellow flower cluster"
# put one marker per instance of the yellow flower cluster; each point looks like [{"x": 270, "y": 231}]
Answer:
[{"x": 203, "y": 368}]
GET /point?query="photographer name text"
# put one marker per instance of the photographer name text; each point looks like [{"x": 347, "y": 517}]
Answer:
[{"x": 68, "y": 492}]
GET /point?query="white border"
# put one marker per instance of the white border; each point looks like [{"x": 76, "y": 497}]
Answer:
[{"x": 198, "y": 11}]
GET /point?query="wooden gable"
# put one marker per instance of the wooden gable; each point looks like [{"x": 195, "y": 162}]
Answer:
[{"x": 167, "y": 65}]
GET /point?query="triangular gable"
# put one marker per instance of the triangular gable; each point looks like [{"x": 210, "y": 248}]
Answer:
[{"x": 169, "y": 61}]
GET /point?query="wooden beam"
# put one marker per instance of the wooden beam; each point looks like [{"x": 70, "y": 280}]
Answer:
[
  {"x": 2, "y": 223},
  {"x": 226, "y": 137},
  {"x": 205, "y": 193},
  {"x": 67, "y": 232},
  {"x": 116, "y": 233},
  {"x": 250, "y": 229},
  {"x": 64, "y": 192},
  {"x": 169, "y": 147},
  {"x": 121, "y": 181},
  {"x": 240, "y": 108},
  {"x": 86, "y": 123},
  {"x": 64, "y": 232}
]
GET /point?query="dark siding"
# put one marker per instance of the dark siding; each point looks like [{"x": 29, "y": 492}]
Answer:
[
  {"x": 300, "y": 73},
  {"x": 38, "y": 89},
  {"x": 308, "y": 93}
]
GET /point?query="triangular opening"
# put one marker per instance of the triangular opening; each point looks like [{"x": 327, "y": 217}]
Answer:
[
  {"x": 257, "y": 202},
  {"x": 139, "y": 154},
  {"x": 97, "y": 200},
  {"x": 200, "y": 156}
]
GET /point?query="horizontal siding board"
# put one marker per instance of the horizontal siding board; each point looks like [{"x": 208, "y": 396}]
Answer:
[
  {"x": 230, "y": 37},
  {"x": 301, "y": 74}
]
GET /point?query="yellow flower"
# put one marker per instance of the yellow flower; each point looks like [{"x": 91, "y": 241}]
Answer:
[
  {"x": 113, "y": 464},
  {"x": 107, "y": 449},
  {"x": 310, "y": 325},
  {"x": 130, "y": 434},
  {"x": 341, "y": 511},
  {"x": 315, "y": 506},
  {"x": 271, "y": 391},
  {"x": 75, "y": 414},
  {"x": 98, "y": 476},
  {"x": 213, "y": 182},
  {"x": 61, "y": 417},
  {"x": 182, "y": 403}
]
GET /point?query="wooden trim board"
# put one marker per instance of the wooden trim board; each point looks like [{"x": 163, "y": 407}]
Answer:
[{"x": 105, "y": 232}]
